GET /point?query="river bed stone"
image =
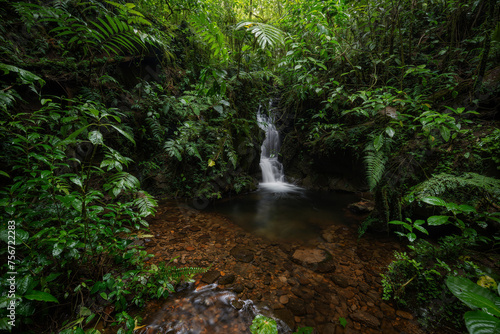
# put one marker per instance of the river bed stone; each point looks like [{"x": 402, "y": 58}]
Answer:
[{"x": 287, "y": 276}]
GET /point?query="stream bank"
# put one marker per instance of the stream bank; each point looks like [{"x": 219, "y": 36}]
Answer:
[{"x": 305, "y": 283}]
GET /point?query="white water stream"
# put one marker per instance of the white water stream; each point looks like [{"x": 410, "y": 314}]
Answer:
[{"x": 273, "y": 176}]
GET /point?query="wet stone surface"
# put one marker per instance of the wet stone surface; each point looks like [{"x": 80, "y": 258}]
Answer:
[{"x": 303, "y": 283}]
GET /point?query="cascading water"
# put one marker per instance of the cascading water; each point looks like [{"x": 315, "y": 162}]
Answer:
[
  {"x": 273, "y": 177},
  {"x": 206, "y": 310},
  {"x": 272, "y": 169}
]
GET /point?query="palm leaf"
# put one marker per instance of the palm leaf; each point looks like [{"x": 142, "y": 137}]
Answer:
[{"x": 266, "y": 34}]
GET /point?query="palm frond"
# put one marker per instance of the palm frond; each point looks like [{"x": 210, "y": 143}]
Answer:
[{"x": 267, "y": 36}]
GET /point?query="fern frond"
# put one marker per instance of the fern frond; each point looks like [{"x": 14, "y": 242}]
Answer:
[
  {"x": 375, "y": 161},
  {"x": 121, "y": 181},
  {"x": 467, "y": 186},
  {"x": 173, "y": 149},
  {"x": 146, "y": 204},
  {"x": 211, "y": 34}
]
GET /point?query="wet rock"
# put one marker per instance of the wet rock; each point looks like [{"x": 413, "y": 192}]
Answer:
[
  {"x": 327, "y": 329},
  {"x": 322, "y": 308},
  {"x": 250, "y": 285},
  {"x": 314, "y": 259},
  {"x": 297, "y": 306},
  {"x": 237, "y": 304},
  {"x": 328, "y": 236},
  {"x": 277, "y": 306},
  {"x": 286, "y": 248},
  {"x": 404, "y": 314},
  {"x": 365, "y": 318},
  {"x": 388, "y": 310},
  {"x": 237, "y": 288},
  {"x": 242, "y": 254},
  {"x": 361, "y": 207},
  {"x": 210, "y": 276},
  {"x": 303, "y": 293},
  {"x": 286, "y": 316},
  {"x": 340, "y": 280},
  {"x": 326, "y": 267},
  {"x": 228, "y": 279},
  {"x": 284, "y": 299}
]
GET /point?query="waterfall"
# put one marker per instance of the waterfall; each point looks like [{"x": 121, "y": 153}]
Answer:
[
  {"x": 272, "y": 169},
  {"x": 273, "y": 176}
]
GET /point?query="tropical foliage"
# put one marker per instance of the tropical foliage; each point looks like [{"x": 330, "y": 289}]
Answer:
[{"x": 108, "y": 105}]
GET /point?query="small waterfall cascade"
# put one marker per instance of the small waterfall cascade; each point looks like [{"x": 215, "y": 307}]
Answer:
[
  {"x": 272, "y": 169},
  {"x": 273, "y": 176}
]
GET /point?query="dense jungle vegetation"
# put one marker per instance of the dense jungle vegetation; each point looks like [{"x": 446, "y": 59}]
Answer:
[{"x": 108, "y": 106}]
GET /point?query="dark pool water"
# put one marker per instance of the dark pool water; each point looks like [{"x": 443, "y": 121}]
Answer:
[{"x": 282, "y": 211}]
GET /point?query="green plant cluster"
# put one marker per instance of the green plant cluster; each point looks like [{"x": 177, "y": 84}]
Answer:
[{"x": 417, "y": 280}]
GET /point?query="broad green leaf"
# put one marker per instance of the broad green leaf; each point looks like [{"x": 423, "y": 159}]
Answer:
[
  {"x": 219, "y": 109},
  {"x": 20, "y": 235},
  {"x": 95, "y": 137},
  {"x": 25, "y": 284},
  {"x": 445, "y": 133},
  {"x": 437, "y": 220},
  {"x": 390, "y": 131},
  {"x": 411, "y": 236},
  {"x": 433, "y": 201},
  {"x": 479, "y": 322},
  {"x": 41, "y": 296},
  {"x": 72, "y": 136},
  {"x": 421, "y": 229},
  {"x": 473, "y": 295},
  {"x": 378, "y": 142},
  {"x": 263, "y": 325},
  {"x": 466, "y": 208},
  {"x": 124, "y": 133},
  {"x": 58, "y": 249},
  {"x": 76, "y": 180}
]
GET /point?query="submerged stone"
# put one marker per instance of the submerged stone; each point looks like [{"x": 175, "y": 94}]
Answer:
[
  {"x": 242, "y": 254},
  {"x": 314, "y": 259}
]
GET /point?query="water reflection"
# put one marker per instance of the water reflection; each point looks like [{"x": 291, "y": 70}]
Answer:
[{"x": 286, "y": 211}]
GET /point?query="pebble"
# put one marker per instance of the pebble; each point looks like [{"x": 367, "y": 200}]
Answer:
[{"x": 284, "y": 299}]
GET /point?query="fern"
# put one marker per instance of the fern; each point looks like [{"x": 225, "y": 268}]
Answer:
[
  {"x": 266, "y": 34},
  {"x": 146, "y": 204},
  {"x": 173, "y": 149},
  {"x": 121, "y": 181},
  {"x": 468, "y": 185},
  {"x": 110, "y": 35},
  {"x": 176, "y": 275},
  {"x": 193, "y": 151},
  {"x": 157, "y": 129},
  {"x": 375, "y": 161},
  {"x": 211, "y": 34}
]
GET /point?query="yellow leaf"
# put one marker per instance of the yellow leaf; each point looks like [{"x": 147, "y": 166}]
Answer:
[
  {"x": 211, "y": 163},
  {"x": 487, "y": 282},
  {"x": 137, "y": 326}
]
